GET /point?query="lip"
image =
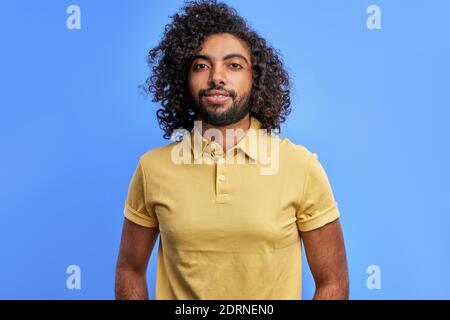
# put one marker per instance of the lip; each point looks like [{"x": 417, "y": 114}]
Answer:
[
  {"x": 216, "y": 100},
  {"x": 216, "y": 92}
]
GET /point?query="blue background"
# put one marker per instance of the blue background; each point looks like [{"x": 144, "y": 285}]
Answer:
[{"x": 373, "y": 104}]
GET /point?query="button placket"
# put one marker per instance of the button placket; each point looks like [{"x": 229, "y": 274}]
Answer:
[
  {"x": 214, "y": 151},
  {"x": 220, "y": 176}
]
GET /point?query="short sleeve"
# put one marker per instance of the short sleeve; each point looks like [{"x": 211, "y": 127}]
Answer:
[
  {"x": 318, "y": 206},
  {"x": 136, "y": 208}
]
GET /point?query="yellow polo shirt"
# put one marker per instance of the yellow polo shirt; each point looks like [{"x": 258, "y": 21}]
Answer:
[{"x": 229, "y": 229}]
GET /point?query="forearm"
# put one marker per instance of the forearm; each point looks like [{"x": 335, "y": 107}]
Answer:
[
  {"x": 130, "y": 285},
  {"x": 331, "y": 292}
]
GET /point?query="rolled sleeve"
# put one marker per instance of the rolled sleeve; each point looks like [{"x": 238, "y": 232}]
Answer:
[
  {"x": 318, "y": 206},
  {"x": 137, "y": 208}
]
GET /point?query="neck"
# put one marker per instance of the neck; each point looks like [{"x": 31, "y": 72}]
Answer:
[{"x": 243, "y": 124}]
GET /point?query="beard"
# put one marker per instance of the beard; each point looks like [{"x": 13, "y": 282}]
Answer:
[{"x": 215, "y": 116}]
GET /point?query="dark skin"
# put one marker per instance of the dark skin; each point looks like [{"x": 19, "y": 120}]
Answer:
[
  {"x": 325, "y": 251},
  {"x": 131, "y": 270},
  {"x": 225, "y": 60}
]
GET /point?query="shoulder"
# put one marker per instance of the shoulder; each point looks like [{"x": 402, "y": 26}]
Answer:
[
  {"x": 157, "y": 157},
  {"x": 296, "y": 152}
]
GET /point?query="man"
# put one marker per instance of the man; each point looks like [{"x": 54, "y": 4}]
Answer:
[{"x": 229, "y": 229}]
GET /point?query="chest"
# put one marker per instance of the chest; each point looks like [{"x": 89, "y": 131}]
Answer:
[{"x": 226, "y": 208}]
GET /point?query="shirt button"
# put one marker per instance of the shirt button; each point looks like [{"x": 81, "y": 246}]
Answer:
[{"x": 221, "y": 178}]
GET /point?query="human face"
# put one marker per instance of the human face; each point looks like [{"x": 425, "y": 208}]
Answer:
[{"x": 220, "y": 79}]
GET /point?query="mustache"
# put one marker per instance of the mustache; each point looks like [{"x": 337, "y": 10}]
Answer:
[{"x": 230, "y": 92}]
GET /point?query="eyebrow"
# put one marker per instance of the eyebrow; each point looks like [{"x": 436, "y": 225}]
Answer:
[{"x": 226, "y": 57}]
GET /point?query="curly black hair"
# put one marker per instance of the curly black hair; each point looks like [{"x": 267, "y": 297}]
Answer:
[{"x": 170, "y": 61}]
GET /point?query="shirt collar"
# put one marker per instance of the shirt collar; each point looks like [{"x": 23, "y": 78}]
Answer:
[{"x": 244, "y": 144}]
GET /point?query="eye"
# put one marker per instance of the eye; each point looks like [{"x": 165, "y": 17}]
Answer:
[
  {"x": 200, "y": 66},
  {"x": 236, "y": 66}
]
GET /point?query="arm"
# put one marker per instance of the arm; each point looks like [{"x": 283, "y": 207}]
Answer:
[
  {"x": 325, "y": 252},
  {"x": 135, "y": 249}
]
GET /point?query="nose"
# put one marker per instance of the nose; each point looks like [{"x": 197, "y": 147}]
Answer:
[{"x": 216, "y": 77}]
